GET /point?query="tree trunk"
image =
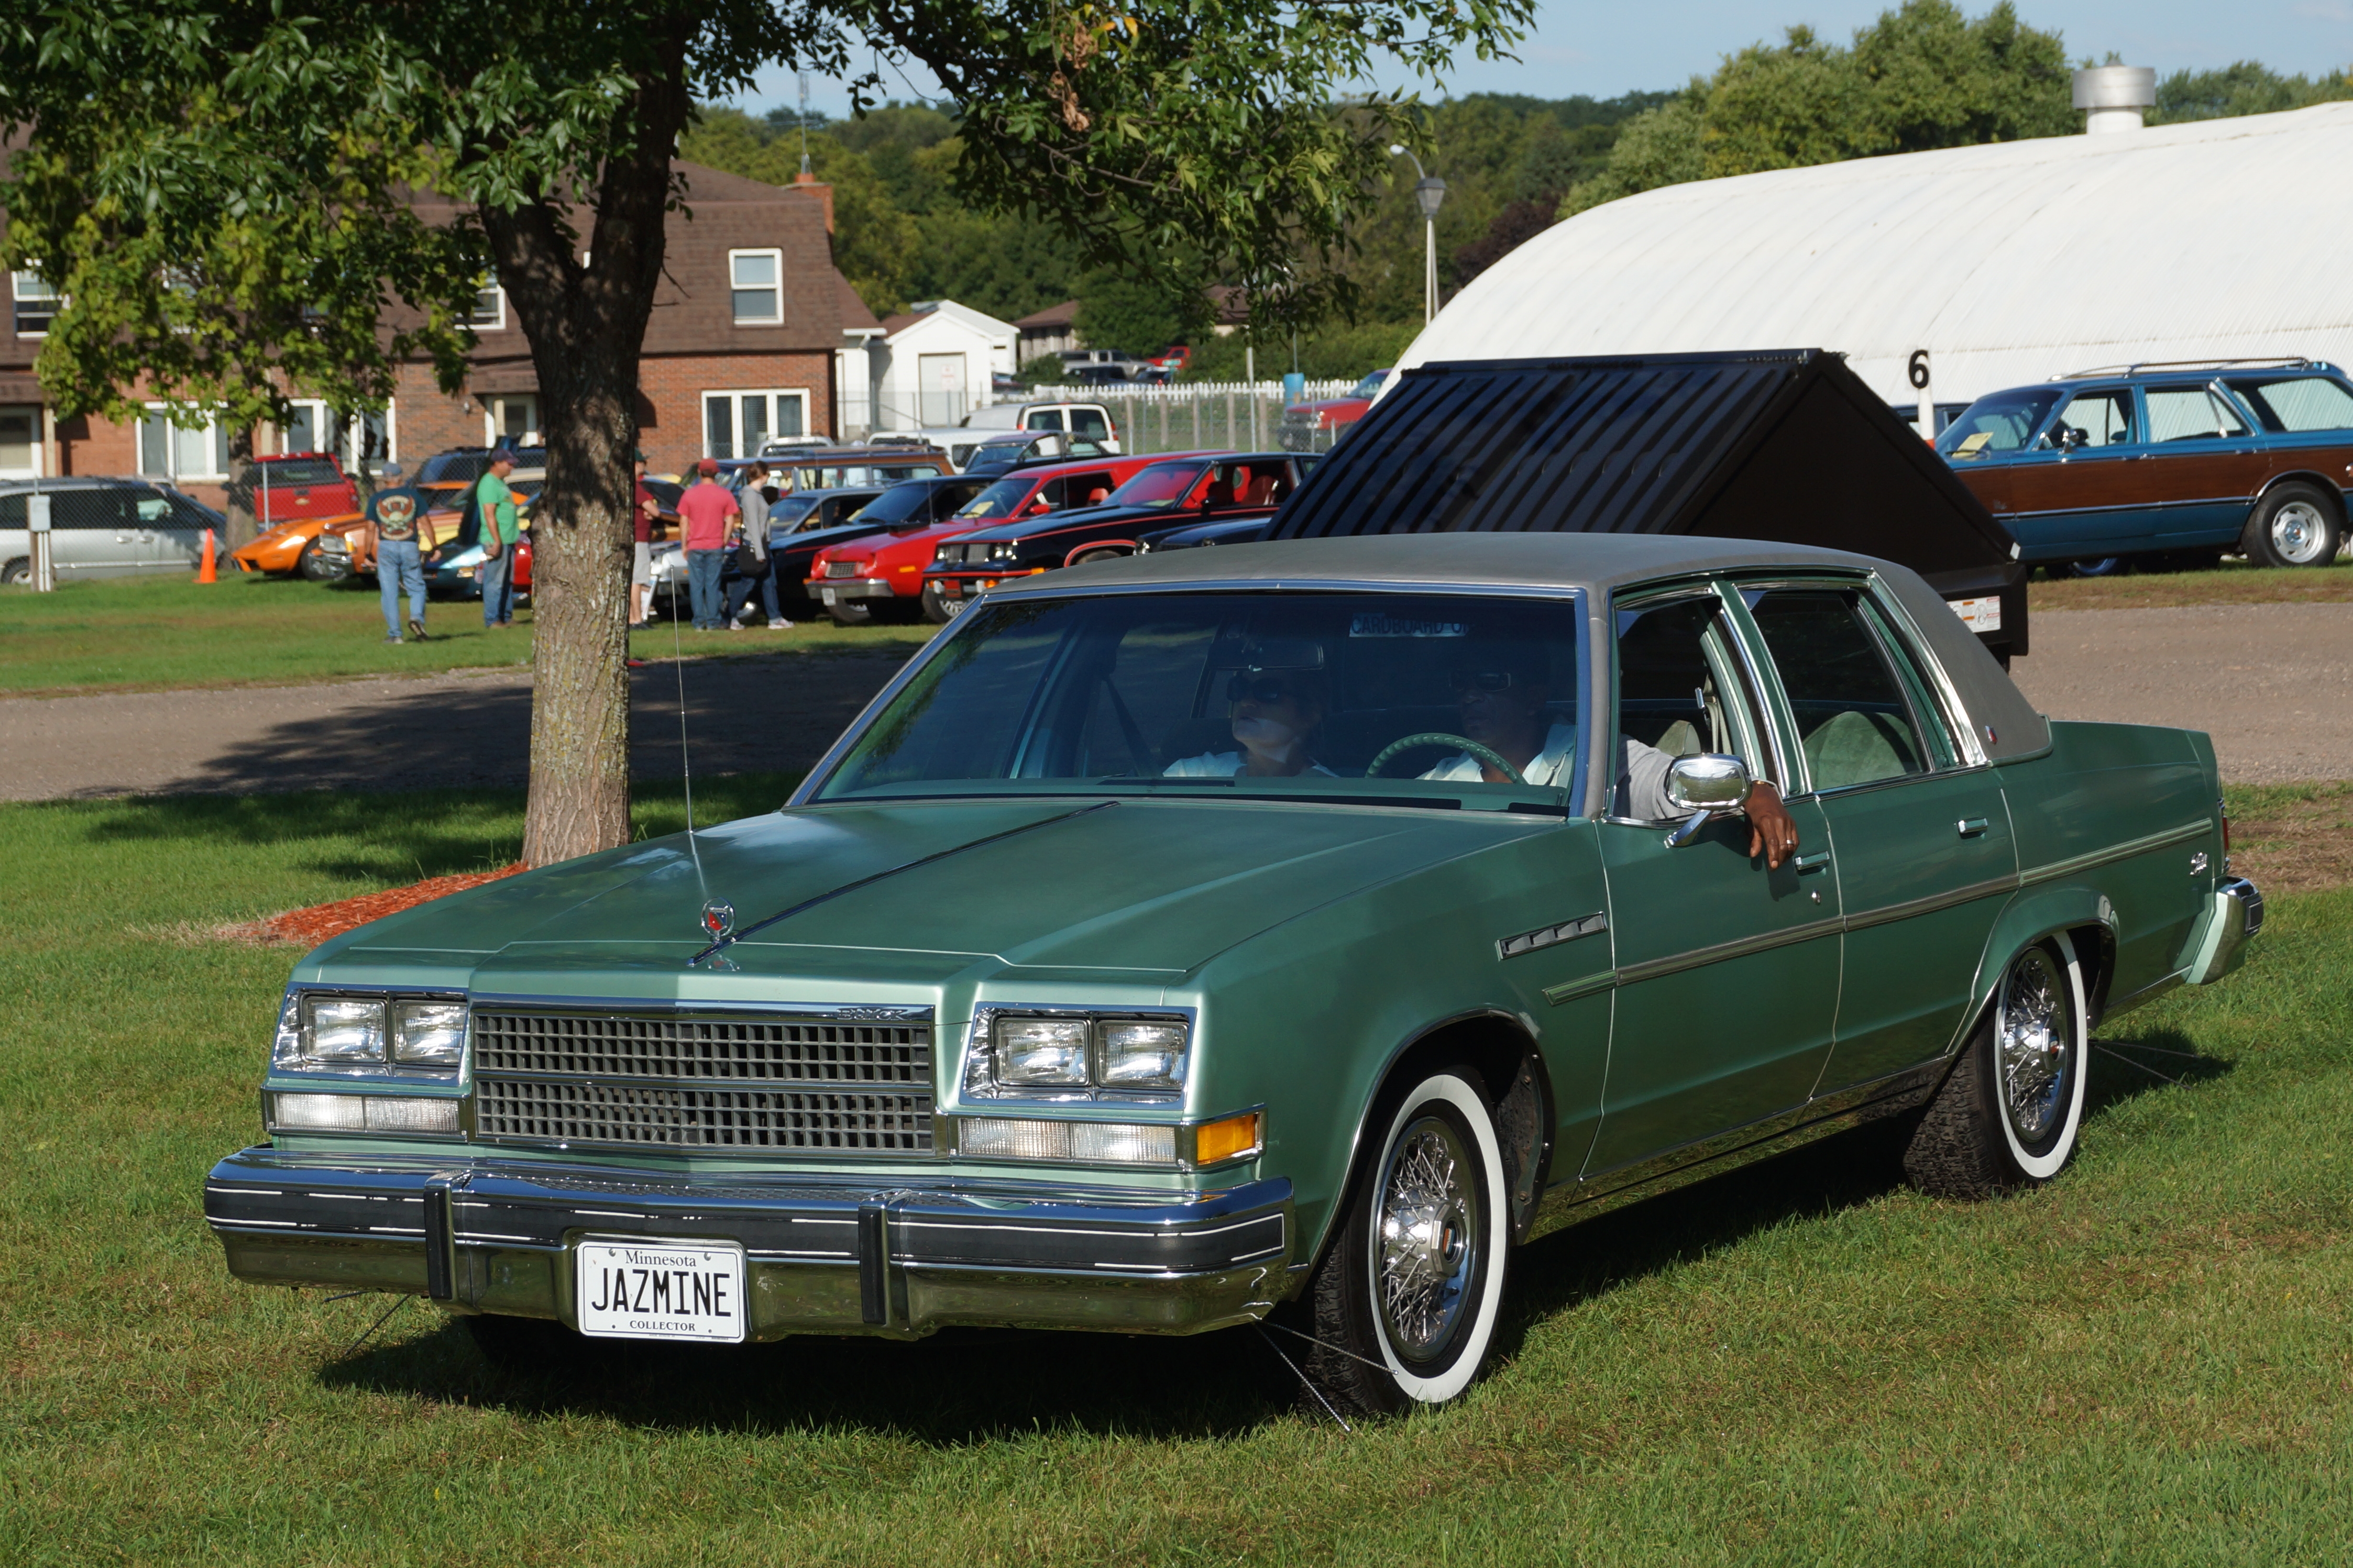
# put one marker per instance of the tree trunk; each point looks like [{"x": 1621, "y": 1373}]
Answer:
[
  {"x": 242, "y": 528},
  {"x": 586, "y": 326}
]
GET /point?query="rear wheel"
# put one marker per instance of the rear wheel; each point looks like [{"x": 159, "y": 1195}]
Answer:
[
  {"x": 1405, "y": 1304},
  {"x": 2295, "y": 525},
  {"x": 2010, "y": 1113},
  {"x": 2098, "y": 566},
  {"x": 1092, "y": 556},
  {"x": 16, "y": 573}
]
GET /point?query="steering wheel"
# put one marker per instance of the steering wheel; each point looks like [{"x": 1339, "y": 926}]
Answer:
[{"x": 1439, "y": 738}]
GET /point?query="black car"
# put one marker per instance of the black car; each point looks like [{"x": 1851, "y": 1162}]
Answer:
[
  {"x": 1016, "y": 448},
  {"x": 1177, "y": 493},
  {"x": 464, "y": 464},
  {"x": 1222, "y": 530}
]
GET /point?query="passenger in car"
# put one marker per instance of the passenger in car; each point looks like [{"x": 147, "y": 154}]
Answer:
[
  {"x": 1276, "y": 702},
  {"x": 1502, "y": 689}
]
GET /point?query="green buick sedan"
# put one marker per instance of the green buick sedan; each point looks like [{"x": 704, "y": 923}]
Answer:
[{"x": 1291, "y": 933}]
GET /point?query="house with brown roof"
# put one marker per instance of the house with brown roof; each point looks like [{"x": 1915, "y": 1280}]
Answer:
[{"x": 751, "y": 333}]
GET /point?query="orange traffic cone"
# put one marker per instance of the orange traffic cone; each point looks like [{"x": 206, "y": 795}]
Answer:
[{"x": 207, "y": 572}]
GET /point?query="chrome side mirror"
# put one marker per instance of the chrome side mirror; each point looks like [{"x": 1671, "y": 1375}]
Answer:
[{"x": 1705, "y": 786}]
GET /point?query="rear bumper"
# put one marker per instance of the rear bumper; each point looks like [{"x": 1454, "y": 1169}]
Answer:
[
  {"x": 2232, "y": 922},
  {"x": 831, "y": 1256}
]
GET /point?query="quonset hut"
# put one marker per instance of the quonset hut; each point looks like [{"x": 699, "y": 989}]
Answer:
[{"x": 2007, "y": 264}]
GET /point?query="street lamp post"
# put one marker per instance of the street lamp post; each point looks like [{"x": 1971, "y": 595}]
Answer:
[{"x": 1429, "y": 191}]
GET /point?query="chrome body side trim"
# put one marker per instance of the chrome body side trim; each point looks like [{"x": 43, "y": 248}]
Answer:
[
  {"x": 1576, "y": 1200},
  {"x": 2094, "y": 859}
]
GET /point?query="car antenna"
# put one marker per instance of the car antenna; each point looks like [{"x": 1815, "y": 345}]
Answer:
[{"x": 718, "y": 918}]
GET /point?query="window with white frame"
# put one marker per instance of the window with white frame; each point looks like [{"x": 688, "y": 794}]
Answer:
[
  {"x": 511, "y": 419},
  {"x": 313, "y": 427},
  {"x": 37, "y": 304},
  {"x": 172, "y": 452},
  {"x": 738, "y": 423},
  {"x": 756, "y": 278},
  {"x": 20, "y": 441},
  {"x": 490, "y": 311}
]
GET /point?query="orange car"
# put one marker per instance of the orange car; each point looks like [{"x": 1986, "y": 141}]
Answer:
[{"x": 300, "y": 547}]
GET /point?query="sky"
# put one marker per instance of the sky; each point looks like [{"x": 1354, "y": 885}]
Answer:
[{"x": 1602, "y": 50}]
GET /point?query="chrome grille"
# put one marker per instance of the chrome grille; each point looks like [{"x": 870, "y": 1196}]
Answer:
[{"x": 725, "y": 1081}]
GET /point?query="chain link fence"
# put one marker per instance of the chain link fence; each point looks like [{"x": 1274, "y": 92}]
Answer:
[{"x": 1240, "y": 416}]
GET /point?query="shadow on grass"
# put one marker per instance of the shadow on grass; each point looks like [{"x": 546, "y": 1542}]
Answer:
[
  {"x": 2124, "y": 1068},
  {"x": 958, "y": 1387},
  {"x": 396, "y": 838}
]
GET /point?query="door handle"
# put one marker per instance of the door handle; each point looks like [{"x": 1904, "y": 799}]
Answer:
[
  {"x": 1970, "y": 827},
  {"x": 1805, "y": 863}
]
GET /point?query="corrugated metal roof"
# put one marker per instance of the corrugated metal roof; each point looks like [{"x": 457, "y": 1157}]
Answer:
[{"x": 2009, "y": 263}]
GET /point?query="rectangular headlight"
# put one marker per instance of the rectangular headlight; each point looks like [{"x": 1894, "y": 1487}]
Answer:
[
  {"x": 343, "y": 1029},
  {"x": 364, "y": 1113},
  {"x": 1135, "y": 1054},
  {"x": 1041, "y": 1051},
  {"x": 1108, "y": 1142},
  {"x": 428, "y": 1033}
]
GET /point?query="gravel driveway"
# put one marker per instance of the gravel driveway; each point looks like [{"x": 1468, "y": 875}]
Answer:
[{"x": 2272, "y": 683}]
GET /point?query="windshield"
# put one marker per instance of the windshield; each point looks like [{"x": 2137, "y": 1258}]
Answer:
[
  {"x": 1161, "y": 486},
  {"x": 292, "y": 473},
  {"x": 1271, "y": 691},
  {"x": 999, "y": 499},
  {"x": 896, "y": 504},
  {"x": 2004, "y": 422}
]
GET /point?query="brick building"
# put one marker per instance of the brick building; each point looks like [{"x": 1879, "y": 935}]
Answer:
[{"x": 746, "y": 342}]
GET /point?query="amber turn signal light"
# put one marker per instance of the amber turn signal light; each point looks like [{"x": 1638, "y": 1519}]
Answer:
[{"x": 1215, "y": 1141}]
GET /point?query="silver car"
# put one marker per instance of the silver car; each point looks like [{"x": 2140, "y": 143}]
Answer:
[{"x": 104, "y": 528}]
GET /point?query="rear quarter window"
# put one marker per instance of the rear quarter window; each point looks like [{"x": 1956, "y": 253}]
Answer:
[{"x": 2292, "y": 405}]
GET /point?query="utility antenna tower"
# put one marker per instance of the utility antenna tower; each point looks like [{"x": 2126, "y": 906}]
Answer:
[{"x": 805, "y": 157}]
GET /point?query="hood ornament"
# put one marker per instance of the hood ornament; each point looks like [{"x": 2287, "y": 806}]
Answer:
[{"x": 718, "y": 921}]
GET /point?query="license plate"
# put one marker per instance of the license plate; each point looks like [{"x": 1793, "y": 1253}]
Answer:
[
  {"x": 659, "y": 1290},
  {"x": 826, "y": 593}
]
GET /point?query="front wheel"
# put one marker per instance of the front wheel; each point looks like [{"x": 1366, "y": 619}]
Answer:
[
  {"x": 1406, "y": 1302},
  {"x": 937, "y": 610},
  {"x": 318, "y": 566},
  {"x": 2295, "y": 525},
  {"x": 2009, "y": 1114},
  {"x": 2098, "y": 566},
  {"x": 850, "y": 614}
]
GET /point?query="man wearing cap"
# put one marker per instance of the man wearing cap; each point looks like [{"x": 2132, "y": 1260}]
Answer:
[
  {"x": 705, "y": 508},
  {"x": 644, "y": 513},
  {"x": 495, "y": 505},
  {"x": 394, "y": 510}
]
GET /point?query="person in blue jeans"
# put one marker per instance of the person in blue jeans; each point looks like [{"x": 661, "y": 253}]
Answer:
[
  {"x": 495, "y": 504},
  {"x": 399, "y": 566},
  {"x": 705, "y": 509}
]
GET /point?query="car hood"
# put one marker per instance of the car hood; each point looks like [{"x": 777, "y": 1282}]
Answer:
[{"x": 920, "y": 890}]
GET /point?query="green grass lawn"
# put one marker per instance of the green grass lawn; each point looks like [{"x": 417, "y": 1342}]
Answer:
[
  {"x": 127, "y": 635},
  {"x": 2147, "y": 1362},
  {"x": 2233, "y": 582}
]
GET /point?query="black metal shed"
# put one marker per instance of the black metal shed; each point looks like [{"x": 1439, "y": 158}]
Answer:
[{"x": 1783, "y": 445}]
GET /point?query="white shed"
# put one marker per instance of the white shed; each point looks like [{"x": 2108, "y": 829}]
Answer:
[
  {"x": 2008, "y": 264},
  {"x": 931, "y": 366}
]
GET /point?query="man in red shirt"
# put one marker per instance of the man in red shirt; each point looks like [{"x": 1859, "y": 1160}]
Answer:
[
  {"x": 705, "y": 508},
  {"x": 644, "y": 513}
]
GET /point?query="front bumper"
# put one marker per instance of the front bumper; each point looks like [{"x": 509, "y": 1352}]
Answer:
[
  {"x": 851, "y": 590},
  {"x": 2232, "y": 922},
  {"x": 826, "y": 1255}
]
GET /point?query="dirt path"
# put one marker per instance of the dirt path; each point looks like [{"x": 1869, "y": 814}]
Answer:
[
  {"x": 743, "y": 715},
  {"x": 2272, "y": 683}
]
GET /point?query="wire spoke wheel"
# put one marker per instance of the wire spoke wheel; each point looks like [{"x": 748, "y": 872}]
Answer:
[
  {"x": 1428, "y": 1240},
  {"x": 2034, "y": 1047}
]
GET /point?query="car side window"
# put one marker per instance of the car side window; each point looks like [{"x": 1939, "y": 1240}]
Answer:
[
  {"x": 1681, "y": 693},
  {"x": 2291, "y": 404},
  {"x": 1090, "y": 422},
  {"x": 1044, "y": 419},
  {"x": 1854, "y": 719},
  {"x": 154, "y": 510},
  {"x": 2095, "y": 419},
  {"x": 2190, "y": 414}
]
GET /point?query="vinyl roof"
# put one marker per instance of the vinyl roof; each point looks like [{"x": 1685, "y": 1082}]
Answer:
[{"x": 2009, "y": 263}]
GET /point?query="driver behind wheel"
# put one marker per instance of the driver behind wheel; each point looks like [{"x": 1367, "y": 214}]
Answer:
[
  {"x": 1501, "y": 690},
  {"x": 1276, "y": 702}
]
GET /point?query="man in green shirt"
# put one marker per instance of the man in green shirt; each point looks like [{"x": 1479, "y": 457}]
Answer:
[{"x": 495, "y": 502}]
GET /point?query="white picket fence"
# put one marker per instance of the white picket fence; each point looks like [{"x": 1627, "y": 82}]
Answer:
[{"x": 1192, "y": 415}]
